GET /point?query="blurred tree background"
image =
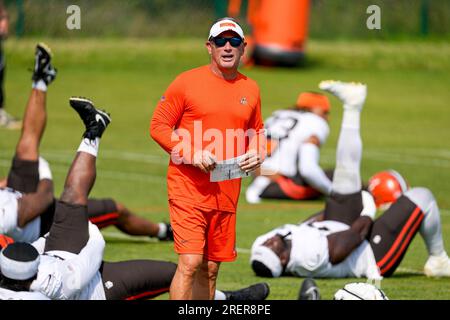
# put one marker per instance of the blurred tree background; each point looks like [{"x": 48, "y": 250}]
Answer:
[{"x": 329, "y": 19}]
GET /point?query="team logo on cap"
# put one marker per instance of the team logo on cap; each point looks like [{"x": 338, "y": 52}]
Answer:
[
  {"x": 243, "y": 101},
  {"x": 227, "y": 24}
]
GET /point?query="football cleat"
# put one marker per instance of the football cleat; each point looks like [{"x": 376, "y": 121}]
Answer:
[
  {"x": 437, "y": 266},
  {"x": 255, "y": 292},
  {"x": 43, "y": 69},
  {"x": 309, "y": 290},
  {"x": 94, "y": 120},
  {"x": 352, "y": 95},
  {"x": 386, "y": 187}
]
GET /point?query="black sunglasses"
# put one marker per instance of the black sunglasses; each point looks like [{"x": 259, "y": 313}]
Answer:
[{"x": 234, "y": 41}]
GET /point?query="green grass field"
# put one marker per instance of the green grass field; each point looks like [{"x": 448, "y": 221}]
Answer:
[{"x": 405, "y": 126}]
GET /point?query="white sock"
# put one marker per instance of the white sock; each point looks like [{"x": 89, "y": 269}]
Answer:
[
  {"x": 256, "y": 188},
  {"x": 89, "y": 146},
  {"x": 219, "y": 295},
  {"x": 44, "y": 169},
  {"x": 351, "y": 118},
  {"x": 39, "y": 85},
  {"x": 162, "y": 232},
  {"x": 347, "y": 177}
]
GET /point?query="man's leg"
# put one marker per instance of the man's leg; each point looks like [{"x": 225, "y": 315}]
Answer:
[
  {"x": 394, "y": 231},
  {"x": 136, "y": 279},
  {"x": 189, "y": 229},
  {"x": 182, "y": 285},
  {"x": 69, "y": 231},
  {"x": 438, "y": 263},
  {"x": 220, "y": 247},
  {"x": 24, "y": 174},
  {"x": 107, "y": 212},
  {"x": 204, "y": 287},
  {"x": 347, "y": 178}
]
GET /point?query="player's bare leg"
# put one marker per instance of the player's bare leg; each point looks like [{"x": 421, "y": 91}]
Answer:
[
  {"x": 35, "y": 113},
  {"x": 71, "y": 218},
  {"x": 82, "y": 173},
  {"x": 132, "y": 224}
]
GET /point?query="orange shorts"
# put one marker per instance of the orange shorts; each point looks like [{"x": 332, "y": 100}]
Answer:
[{"x": 203, "y": 231}]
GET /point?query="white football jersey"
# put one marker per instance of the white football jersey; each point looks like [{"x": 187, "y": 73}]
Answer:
[
  {"x": 9, "y": 215},
  {"x": 56, "y": 279},
  {"x": 21, "y": 295},
  {"x": 309, "y": 254},
  {"x": 67, "y": 276},
  {"x": 290, "y": 128}
]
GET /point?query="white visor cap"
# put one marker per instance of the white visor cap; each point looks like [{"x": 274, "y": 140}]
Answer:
[{"x": 225, "y": 25}]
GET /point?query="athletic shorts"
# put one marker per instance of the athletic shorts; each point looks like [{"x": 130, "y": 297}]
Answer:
[
  {"x": 23, "y": 175},
  {"x": 136, "y": 279},
  {"x": 295, "y": 188},
  {"x": 102, "y": 212},
  {"x": 393, "y": 232},
  {"x": 345, "y": 208},
  {"x": 69, "y": 231},
  {"x": 208, "y": 232}
]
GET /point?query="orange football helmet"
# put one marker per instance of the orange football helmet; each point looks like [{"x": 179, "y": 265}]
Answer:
[
  {"x": 5, "y": 241},
  {"x": 386, "y": 187}
]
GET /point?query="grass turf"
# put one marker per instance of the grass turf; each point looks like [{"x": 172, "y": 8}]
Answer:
[{"x": 405, "y": 126}]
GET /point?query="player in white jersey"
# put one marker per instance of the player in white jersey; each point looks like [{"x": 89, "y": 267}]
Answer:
[
  {"x": 343, "y": 240},
  {"x": 291, "y": 169},
  {"x": 67, "y": 264},
  {"x": 29, "y": 179},
  {"x": 27, "y": 218}
]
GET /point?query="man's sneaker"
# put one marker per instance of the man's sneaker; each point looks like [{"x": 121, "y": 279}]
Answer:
[
  {"x": 309, "y": 290},
  {"x": 258, "y": 291},
  {"x": 43, "y": 69},
  {"x": 8, "y": 121},
  {"x": 94, "y": 120},
  {"x": 437, "y": 266},
  {"x": 353, "y": 95},
  {"x": 169, "y": 233}
]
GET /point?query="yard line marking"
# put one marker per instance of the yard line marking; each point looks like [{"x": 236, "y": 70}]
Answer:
[
  {"x": 123, "y": 236},
  {"x": 109, "y": 174},
  {"x": 409, "y": 270},
  {"x": 439, "y": 158}
]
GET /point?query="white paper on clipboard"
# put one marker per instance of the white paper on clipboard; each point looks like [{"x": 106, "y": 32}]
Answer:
[{"x": 227, "y": 170}]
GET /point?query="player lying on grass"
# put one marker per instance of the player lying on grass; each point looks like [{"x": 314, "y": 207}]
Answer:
[
  {"x": 28, "y": 201},
  {"x": 343, "y": 240},
  {"x": 292, "y": 170},
  {"x": 67, "y": 263}
]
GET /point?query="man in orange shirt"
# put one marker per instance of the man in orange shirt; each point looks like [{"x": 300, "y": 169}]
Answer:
[{"x": 207, "y": 115}]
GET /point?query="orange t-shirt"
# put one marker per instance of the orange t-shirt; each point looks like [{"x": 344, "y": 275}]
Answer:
[{"x": 205, "y": 106}]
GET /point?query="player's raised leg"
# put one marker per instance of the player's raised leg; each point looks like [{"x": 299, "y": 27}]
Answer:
[
  {"x": 347, "y": 178},
  {"x": 69, "y": 231},
  {"x": 24, "y": 174}
]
